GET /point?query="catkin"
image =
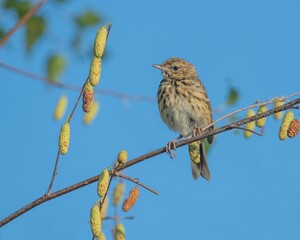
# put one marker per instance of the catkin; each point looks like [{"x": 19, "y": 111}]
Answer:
[
  {"x": 88, "y": 98},
  {"x": 90, "y": 116},
  {"x": 194, "y": 151},
  {"x": 250, "y": 125},
  {"x": 262, "y": 121},
  {"x": 95, "y": 71},
  {"x": 293, "y": 128},
  {"x": 60, "y": 107},
  {"x": 100, "y": 42},
  {"x": 118, "y": 193},
  {"x": 95, "y": 221},
  {"x": 64, "y": 138},
  {"x": 131, "y": 200},
  {"x": 120, "y": 232},
  {"x": 104, "y": 207},
  {"x": 103, "y": 183},
  {"x": 288, "y": 117},
  {"x": 102, "y": 236},
  {"x": 122, "y": 156},
  {"x": 278, "y": 103}
]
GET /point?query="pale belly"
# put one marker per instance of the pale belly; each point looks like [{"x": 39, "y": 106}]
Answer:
[{"x": 183, "y": 119}]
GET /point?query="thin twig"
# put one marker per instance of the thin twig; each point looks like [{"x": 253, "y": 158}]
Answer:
[
  {"x": 58, "y": 154},
  {"x": 118, "y": 174},
  {"x": 146, "y": 156},
  {"x": 118, "y": 218},
  {"x": 248, "y": 107},
  {"x": 114, "y": 94},
  {"x": 78, "y": 99},
  {"x": 53, "y": 174},
  {"x": 22, "y": 21},
  {"x": 248, "y": 130}
]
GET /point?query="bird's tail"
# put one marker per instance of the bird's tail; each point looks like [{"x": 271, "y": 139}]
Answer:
[{"x": 198, "y": 160}]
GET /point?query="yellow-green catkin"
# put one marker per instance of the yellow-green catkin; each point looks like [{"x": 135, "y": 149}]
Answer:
[
  {"x": 104, "y": 207},
  {"x": 261, "y": 122},
  {"x": 250, "y": 125},
  {"x": 102, "y": 236},
  {"x": 64, "y": 138},
  {"x": 100, "y": 42},
  {"x": 61, "y": 107},
  {"x": 95, "y": 221},
  {"x": 194, "y": 151},
  {"x": 122, "y": 156},
  {"x": 95, "y": 71},
  {"x": 103, "y": 183},
  {"x": 120, "y": 232},
  {"x": 118, "y": 193},
  {"x": 88, "y": 98},
  {"x": 90, "y": 116},
  {"x": 288, "y": 117},
  {"x": 278, "y": 103}
]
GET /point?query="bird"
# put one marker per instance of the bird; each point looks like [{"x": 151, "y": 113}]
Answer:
[{"x": 184, "y": 107}]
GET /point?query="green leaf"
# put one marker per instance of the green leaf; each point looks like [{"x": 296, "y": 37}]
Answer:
[
  {"x": 35, "y": 27},
  {"x": 20, "y": 7},
  {"x": 87, "y": 19},
  {"x": 55, "y": 66},
  {"x": 233, "y": 96}
]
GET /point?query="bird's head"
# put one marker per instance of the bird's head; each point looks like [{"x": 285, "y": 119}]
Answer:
[{"x": 176, "y": 69}]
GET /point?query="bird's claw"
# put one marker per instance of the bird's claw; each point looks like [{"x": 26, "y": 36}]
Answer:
[
  {"x": 196, "y": 131},
  {"x": 171, "y": 145}
]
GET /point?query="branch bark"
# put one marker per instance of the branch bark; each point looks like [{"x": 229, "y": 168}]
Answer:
[{"x": 47, "y": 197}]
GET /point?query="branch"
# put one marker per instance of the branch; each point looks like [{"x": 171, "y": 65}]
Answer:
[
  {"x": 75, "y": 88},
  {"x": 22, "y": 21},
  {"x": 146, "y": 156},
  {"x": 118, "y": 174}
]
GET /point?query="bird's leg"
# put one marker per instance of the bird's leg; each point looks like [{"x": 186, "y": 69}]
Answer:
[
  {"x": 196, "y": 131},
  {"x": 171, "y": 145}
]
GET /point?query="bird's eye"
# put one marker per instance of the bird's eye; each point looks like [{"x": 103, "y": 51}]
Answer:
[{"x": 175, "y": 68}]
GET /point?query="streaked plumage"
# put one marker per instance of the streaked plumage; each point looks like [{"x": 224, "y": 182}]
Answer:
[{"x": 184, "y": 105}]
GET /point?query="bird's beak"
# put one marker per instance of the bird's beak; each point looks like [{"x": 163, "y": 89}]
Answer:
[{"x": 160, "y": 67}]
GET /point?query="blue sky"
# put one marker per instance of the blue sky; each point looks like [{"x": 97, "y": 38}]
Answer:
[{"x": 253, "y": 192}]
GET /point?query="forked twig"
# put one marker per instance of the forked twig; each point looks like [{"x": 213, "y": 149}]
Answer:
[{"x": 118, "y": 174}]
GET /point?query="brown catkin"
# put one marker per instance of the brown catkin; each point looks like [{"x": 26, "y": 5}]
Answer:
[
  {"x": 293, "y": 128},
  {"x": 88, "y": 98},
  {"x": 95, "y": 71},
  {"x": 194, "y": 151},
  {"x": 131, "y": 200}
]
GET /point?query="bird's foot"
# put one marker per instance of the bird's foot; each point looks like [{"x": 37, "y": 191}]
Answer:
[
  {"x": 196, "y": 131},
  {"x": 171, "y": 145}
]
